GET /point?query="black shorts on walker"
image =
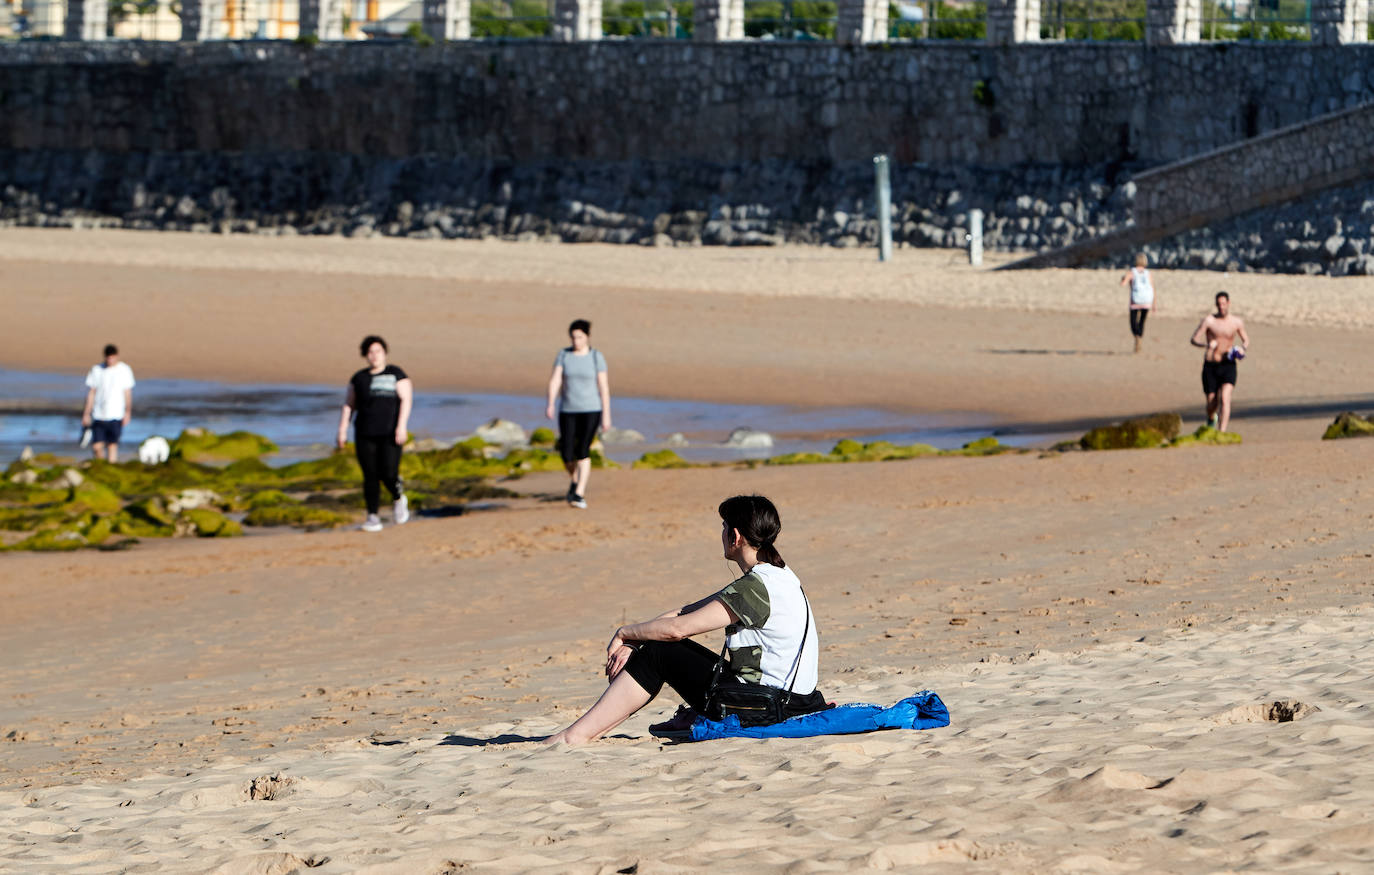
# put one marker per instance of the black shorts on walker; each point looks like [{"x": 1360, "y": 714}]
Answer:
[{"x": 575, "y": 434}]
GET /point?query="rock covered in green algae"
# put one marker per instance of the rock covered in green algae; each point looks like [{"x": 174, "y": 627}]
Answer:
[
  {"x": 542, "y": 436},
  {"x": 661, "y": 459},
  {"x": 986, "y": 446},
  {"x": 296, "y": 514},
  {"x": 206, "y": 523},
  {"x": 1206, "y": 435},
  {"x": 1349, "y": 425},
  {"x": 200, "y": 445},
  {"x": 1145, "y": 431}
]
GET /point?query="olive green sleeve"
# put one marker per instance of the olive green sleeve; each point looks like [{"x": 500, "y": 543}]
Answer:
[{"x": 748, "y": 599}]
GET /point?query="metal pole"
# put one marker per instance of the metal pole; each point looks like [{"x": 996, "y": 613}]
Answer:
[
  {"x": 884, "y": 186},
  {"x": 975, "y": 238}
]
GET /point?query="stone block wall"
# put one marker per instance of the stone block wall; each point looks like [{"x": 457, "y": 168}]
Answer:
[{"x": 632, "y": 141}]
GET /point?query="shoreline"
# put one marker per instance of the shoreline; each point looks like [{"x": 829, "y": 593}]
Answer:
[{"x": 810, "y": 328}]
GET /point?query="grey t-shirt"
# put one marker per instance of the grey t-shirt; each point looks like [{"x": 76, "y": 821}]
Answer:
[{"x": 580, "y": 394}]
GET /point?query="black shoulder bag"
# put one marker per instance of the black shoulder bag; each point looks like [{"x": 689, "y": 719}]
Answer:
[{"x": 753, "y": 704}]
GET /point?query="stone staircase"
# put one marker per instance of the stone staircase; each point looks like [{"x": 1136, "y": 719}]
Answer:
[{"x": 1283, "y": 165}]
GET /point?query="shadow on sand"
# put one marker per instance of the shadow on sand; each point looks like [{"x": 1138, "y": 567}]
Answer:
[{"x": 504, "y": 738}]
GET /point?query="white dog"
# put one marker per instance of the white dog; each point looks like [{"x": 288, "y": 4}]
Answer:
[{"x": 154, "y": 451}]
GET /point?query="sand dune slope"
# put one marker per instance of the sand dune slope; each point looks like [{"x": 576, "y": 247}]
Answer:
[{"x": 1134, "y": 757}]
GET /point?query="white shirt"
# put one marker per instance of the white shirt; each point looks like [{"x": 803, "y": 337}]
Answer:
[
  {"x": 780, "y": 636},
  {"x": 109, "y": 385}
]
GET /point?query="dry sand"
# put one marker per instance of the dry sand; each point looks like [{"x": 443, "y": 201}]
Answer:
[{"x": 1103, "y": 627}]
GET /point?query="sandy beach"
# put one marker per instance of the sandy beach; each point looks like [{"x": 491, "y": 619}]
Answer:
[{"x": 1109, "y": 630}]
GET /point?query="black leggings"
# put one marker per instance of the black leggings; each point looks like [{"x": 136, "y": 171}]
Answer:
[
  {"x": 380, "y": 459},
  {"x": 687, "y": 667},
  {"x": 1138, "y": 322}
]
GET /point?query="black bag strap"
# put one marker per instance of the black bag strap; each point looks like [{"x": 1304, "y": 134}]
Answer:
[{"x": 793, "y": 673}]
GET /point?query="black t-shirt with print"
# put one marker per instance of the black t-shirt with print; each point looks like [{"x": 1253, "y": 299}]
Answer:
[{"x": 375, "y": 399}]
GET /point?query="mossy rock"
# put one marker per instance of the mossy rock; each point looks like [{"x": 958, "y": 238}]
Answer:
[
  {"x": 269, "y": 498},
  {"x": 847, "y": 447},
  {"x": 1207, "y": 435},
  {"x": 52, "y": 540},
  {"x": 296, "y": 515},
  {"x": 93, "y": 496},
  {"x": 206, "y": 523},
  {"x": 987, "y": 446},
  {"x": 337, "y": 467},
  {"x": 542, "y": 436},
  {"x": 883, "y": 451},
  {"x": 798, "y": 459},
  {"x": 1146, "y": 431},
  {"x": 199, "y": 445},
  {"x": 153, "y": 511},
  {"x": 1349, "y": 425},
  {"x": 99, "y": 530},
  {"x": 661, "y": 459},
  {"x": 247, "y": 471},
  {"x": 598, "y": 458}
]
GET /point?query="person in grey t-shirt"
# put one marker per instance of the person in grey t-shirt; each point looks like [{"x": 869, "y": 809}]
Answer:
[{"x": 582, "y": 392}]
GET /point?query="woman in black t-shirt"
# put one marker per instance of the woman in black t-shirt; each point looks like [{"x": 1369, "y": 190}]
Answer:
[{"x": 382, "y": 395}]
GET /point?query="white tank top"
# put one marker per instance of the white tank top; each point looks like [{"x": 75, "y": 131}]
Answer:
[{"x": 1142, "y": 293}]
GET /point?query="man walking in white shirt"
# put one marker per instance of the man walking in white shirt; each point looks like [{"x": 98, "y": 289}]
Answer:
[{"x": 109, "y": 403}]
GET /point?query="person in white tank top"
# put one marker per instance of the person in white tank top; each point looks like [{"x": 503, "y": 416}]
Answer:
[
  {"x": 1143, "y": 299},
  {"x": 770, "y": 636}
]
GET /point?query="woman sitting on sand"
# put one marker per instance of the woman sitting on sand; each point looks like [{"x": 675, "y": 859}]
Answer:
[{"x": 767, "y": 622}]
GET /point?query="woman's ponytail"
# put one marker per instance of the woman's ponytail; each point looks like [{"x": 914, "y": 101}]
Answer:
[{"x": 757, "y": 521}]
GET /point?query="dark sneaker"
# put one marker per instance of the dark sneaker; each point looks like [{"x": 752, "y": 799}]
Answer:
[{"x": 679, "y": 726}]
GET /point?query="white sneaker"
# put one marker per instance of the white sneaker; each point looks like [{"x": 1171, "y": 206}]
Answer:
[
  {"x": 579, "y": 502},
  {"x": 400, "y": 511},
  {"x": 373, "y": 523}
]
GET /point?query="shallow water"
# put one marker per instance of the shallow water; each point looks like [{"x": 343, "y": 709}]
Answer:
[{"x": 43, "y": 410}]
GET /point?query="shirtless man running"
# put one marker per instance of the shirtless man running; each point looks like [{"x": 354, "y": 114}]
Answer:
[{"x": 1217, "y": 334}]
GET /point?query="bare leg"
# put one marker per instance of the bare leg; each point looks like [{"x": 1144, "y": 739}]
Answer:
[
  {"x": 584, "y": 471},
  {"x": 114, "y": 453},
  {"x": 1224, "y": 399},
  {"x": 97, "y": 451},
  {"x": 1212, "y": 403},
  {"x": 571, "y": 468},
  {"x": 622, "y": 698}
]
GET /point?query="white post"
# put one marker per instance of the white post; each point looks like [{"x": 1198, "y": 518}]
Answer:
[
  {"x": 975, "y": 238},
  {"x": 884, "y": 186}
]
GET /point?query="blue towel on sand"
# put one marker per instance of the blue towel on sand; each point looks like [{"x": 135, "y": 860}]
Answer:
[{"x": 921, "y": 711}]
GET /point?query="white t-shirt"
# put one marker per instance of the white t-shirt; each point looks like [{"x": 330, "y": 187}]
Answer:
[
  {"x": 773, "y": 612},
  {"x": 109, "y": 385}
]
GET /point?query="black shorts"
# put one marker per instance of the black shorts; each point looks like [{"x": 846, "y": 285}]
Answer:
[
  {"x": 106, "y": 431},
  {"x": 1216, "y": 373},
  {"x": 575, "y": 434}
]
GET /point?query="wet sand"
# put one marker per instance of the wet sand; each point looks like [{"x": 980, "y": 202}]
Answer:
[{"x": 1100, "y": 625}]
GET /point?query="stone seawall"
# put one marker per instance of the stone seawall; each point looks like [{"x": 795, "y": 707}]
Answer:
[{"x": 635, "y": 142}]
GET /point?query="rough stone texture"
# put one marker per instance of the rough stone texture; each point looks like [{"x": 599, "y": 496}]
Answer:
[
  {"x": 1335, "y": 22},
  {"x": 727, "y": 103},
  {"x": 447, "y": 19},
  {"x": 665, "y": 143},
  {"x": 86, "y": 19},
  {"x": 1170, "y": 22},
  {"x": 1013, "y": 21},
  {"x": 859, "y": 22},
  {"x": 576, "y": 20},
  {"x": 718, "y": 20},
  {"x": 1207, "y": 191}
]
